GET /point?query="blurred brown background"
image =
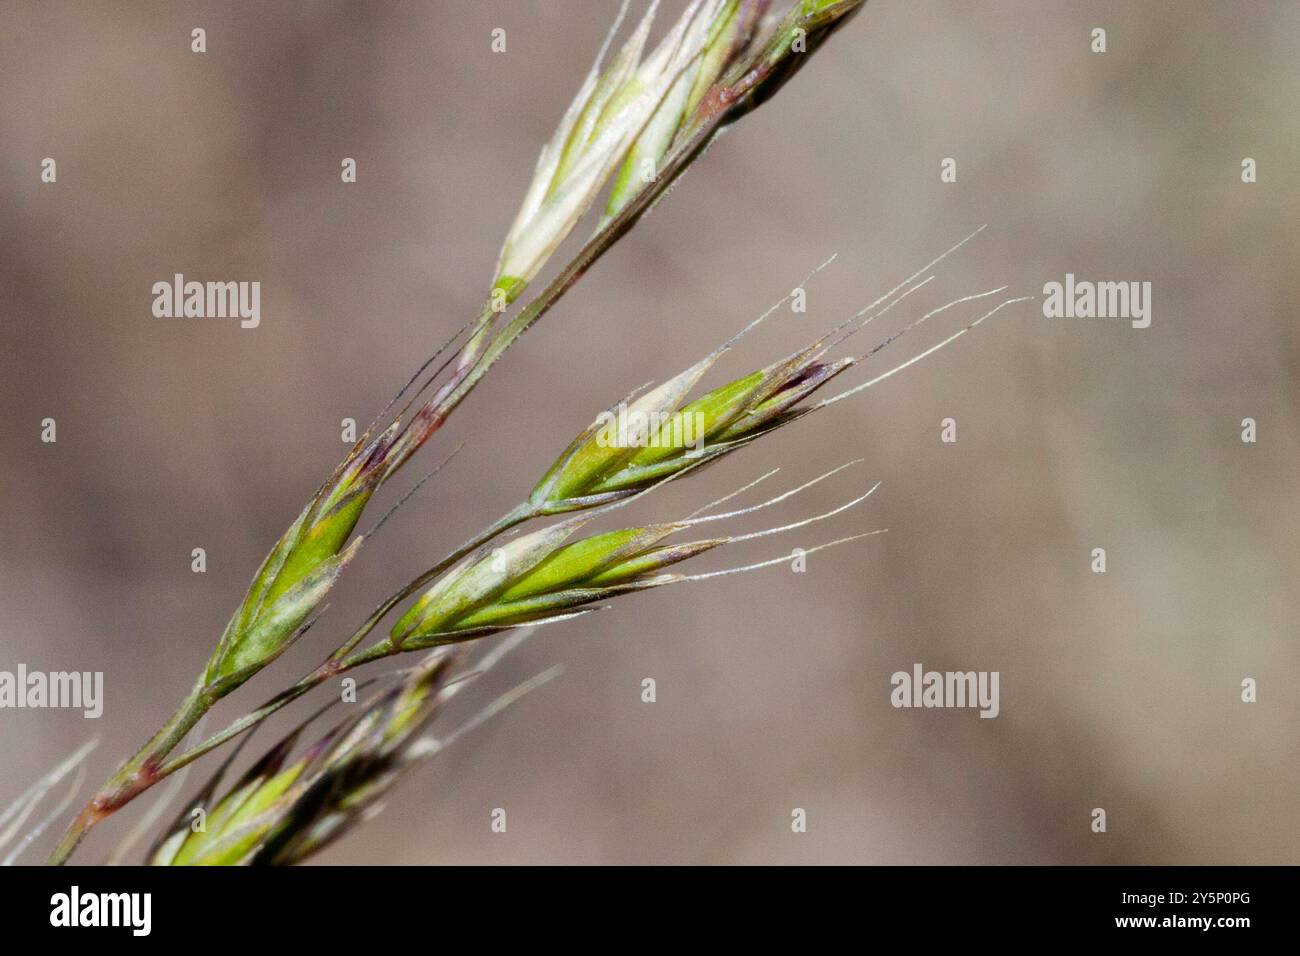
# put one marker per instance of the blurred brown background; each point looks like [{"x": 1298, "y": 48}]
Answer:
[{"x": 1118, "y": 690}]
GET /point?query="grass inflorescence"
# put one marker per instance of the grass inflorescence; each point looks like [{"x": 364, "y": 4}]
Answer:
[{"x": 643, "y": 114}]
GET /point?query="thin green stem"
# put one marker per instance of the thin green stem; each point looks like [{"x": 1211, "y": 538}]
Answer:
[
  {"x": 330, "y": 668},
  {"x": 136, "y": 775}
]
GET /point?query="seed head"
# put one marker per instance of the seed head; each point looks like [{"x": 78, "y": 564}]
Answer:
[
  {"x": 673, "y": 436},
  {"x": 300, "y": 570},
  {"x": 280, "y": 812},
  {"x": 607, "y": 117},
  {"x": 538, "y": 576}
]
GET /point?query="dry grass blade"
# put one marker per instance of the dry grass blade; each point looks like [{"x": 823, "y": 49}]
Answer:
[{"x": 14, "y": 816}]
